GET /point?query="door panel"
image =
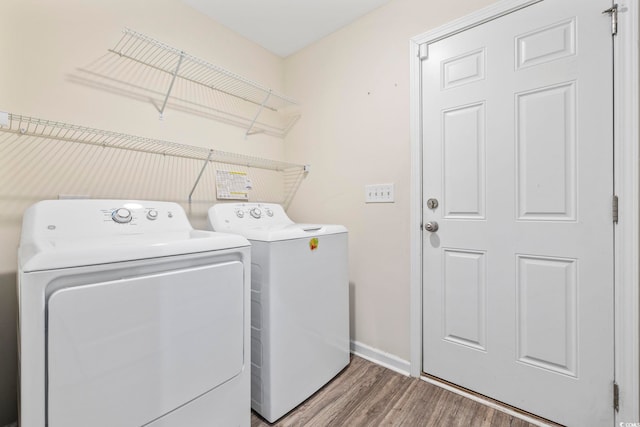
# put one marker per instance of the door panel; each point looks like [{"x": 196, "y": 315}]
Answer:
[
  {"x": 464, "y": 162},
  {"x": 517, "y": 143},
  {"x": 546, "y": 153},
  {"x": 546, "y": 293}
]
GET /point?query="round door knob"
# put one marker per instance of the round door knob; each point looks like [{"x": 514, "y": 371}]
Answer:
[
  {"x": 431, "y": 226},
  {"x": 121, "y": 215}
]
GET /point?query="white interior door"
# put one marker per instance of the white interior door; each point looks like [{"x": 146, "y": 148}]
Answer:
[{"x": 518, "y": 278}]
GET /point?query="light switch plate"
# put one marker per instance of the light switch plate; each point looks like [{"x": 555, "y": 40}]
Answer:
[{"x": 379, "y": 193}]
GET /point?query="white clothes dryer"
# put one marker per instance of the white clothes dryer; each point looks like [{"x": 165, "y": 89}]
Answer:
[
  {"x": 129, "y": 317},
  {"x": 299, "y": 303}
]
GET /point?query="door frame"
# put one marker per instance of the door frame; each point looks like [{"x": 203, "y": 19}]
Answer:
[{"x": 626, "y": 176}]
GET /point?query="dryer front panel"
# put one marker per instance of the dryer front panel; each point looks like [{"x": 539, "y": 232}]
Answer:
[{"x": 126, "y": 352}]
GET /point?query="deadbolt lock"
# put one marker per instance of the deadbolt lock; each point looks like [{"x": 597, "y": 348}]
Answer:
[{"x": 432, "y": 203}]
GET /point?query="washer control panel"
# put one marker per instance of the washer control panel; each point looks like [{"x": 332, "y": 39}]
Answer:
[
  {"x": 226, "y": 216},
  {"x": 256, "y": 211}
]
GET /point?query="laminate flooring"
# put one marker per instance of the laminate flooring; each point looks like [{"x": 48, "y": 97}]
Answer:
[{"x": 366, "y": 394}]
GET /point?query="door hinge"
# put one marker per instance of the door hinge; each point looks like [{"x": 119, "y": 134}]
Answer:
[
  {"x": 614, "y": 209},
  {"x": 423, "y": 51},
  {"x": 616, "y": 397},
  {"x": 613, "y": 13}
]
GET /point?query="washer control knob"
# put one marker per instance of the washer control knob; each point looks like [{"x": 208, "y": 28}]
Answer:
[
  {"x": 152, "y": 215},
  {"x": 240, "y": 214},
  {"x": 121, "y": 215},
  {"x": 269, "y": 212},
  {"x": 256, "y": 213}
]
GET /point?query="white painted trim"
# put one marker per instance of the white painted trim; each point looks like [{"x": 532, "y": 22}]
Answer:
[
  {"x": 487, "y": 402},
  {"x": 627, "y": 154},
  {"x": 474, "y": 19},
  {"x": 415, "y": 220},
  {"x": 627, "y": 296},
  {"x": 381, "y": 358}
]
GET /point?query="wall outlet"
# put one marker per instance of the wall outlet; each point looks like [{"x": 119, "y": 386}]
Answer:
[{"x": 379, "y": 193}]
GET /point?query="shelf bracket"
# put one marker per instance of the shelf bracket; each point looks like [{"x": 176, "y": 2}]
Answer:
[
  {"x": 204, "y": 166},
  {"x": 253, "y": 122},
  {"x": 173, "y": 80}
]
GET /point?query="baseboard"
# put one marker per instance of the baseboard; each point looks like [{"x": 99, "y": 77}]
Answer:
[{"x": 381, "y": 358}]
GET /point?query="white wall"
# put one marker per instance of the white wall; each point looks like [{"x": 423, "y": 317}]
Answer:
[
  {"x": 354, "y": 89},
  {"x": 43, "y": 43}
]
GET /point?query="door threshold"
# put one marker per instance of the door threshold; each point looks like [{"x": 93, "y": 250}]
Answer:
[{"x": 487, "y": 401}]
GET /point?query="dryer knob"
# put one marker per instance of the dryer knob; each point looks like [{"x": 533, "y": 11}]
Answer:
[
  {"x": 240, "y": 214},
  {"x": 269, "y": 212},
  {"x": 152, "y": 214},
  {"x": 256, "y": 213},
  {"x": 121, "y": 215}
]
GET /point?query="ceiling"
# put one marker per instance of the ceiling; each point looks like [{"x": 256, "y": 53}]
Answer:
[{"x": 285, "y": 26}]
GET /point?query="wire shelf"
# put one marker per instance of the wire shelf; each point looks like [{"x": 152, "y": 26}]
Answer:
[
  {"x": 25, "y": 125},
  {"x": 155, "y": 168},
  {"x": 177, "y": 64}
]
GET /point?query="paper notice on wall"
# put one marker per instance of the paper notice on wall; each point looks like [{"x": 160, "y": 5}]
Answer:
[{"x": 232, "y": 185}]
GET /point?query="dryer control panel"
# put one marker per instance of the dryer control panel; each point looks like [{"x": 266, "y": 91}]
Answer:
[
  {"x": 139, "y": 213},
  {"x": 101, "y": 218}
]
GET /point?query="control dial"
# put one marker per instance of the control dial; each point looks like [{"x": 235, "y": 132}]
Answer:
[
  {"x": 269, "y": 212},
  {"x": 240, "y": 214},
  {"x": 256, "y": 213},
  {"x": 121, "y": 215},
  {"x": 152, "y": 214}
]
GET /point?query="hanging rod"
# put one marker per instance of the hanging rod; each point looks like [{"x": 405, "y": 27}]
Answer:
[{"x": 47, "y": 129}]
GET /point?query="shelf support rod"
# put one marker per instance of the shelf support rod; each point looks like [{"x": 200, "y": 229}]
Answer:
[
  {"x": 253, "y": 122},
  {"x": 173, "y": 79},
  {"x": 206, "y": 162}
]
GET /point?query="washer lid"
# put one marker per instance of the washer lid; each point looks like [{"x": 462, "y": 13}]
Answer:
[
  {"x": 78, "y": 251},
  {"x": 276, "y": 233}
]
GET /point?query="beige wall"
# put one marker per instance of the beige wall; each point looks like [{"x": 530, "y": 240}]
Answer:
[
  {"x": 354, "y": 91},
  {"x": 354, "y": 130},
  {"x": 43, "y": 43}
]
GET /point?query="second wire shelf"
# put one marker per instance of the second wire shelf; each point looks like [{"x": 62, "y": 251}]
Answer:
[{"x": 232, "y": 98}]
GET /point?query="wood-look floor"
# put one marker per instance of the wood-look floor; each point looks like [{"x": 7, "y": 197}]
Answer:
[{"x": 366, "y": 394}]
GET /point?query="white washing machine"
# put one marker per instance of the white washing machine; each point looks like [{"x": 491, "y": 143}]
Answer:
[
  {"x": 129, "y": 317},
  {"x": 299, "y": 303}
]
